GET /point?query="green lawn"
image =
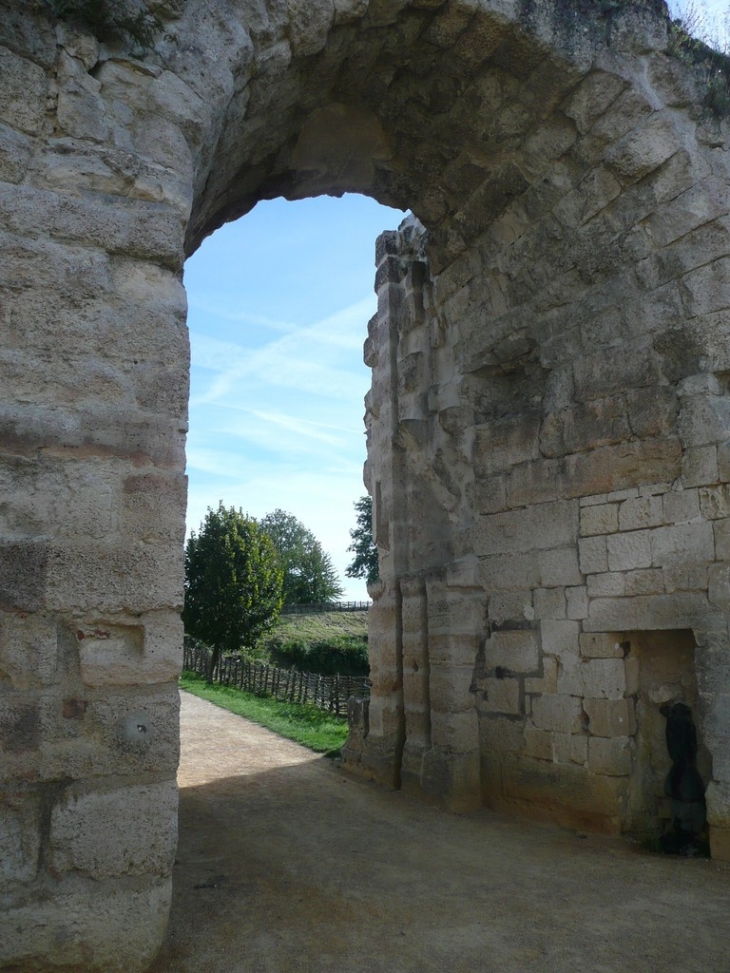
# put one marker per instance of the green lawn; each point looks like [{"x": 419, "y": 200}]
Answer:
[{"x": 312, "y": 727}]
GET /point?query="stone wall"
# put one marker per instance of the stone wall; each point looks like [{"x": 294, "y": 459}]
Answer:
[{"x": 547, "y": 424}]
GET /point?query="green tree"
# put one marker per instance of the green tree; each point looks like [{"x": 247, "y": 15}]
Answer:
[
  {"x": 365, "y": 562},
  {"x": 309, "y": 575},
  {"x": 233, "y": 582}
]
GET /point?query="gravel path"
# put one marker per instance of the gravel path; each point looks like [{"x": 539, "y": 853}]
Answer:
[{"x": 287, "y": 866}]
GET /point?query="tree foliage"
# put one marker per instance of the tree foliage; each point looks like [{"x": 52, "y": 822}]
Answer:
[
  {"x": 365, "y": 562},
  {"x": 233, "y": 582},
  {"x": 309, "y": 575}
]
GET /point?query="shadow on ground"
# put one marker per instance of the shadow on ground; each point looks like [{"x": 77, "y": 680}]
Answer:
[{"x": 298, "y": 868}]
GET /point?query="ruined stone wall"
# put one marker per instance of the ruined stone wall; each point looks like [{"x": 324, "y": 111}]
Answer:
[
  {"x": 547, "y": 422},
  {"x": 549, "y": 465}
]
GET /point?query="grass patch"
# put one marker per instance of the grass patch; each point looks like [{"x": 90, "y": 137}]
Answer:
[
  {"x": 320, "y": 625},
  {"x": 323, "y": 642},
  {"x": 313, "y": 728}
]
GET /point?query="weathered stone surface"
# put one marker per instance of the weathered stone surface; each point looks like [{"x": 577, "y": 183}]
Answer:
[
  {"x": 548, "y": 425},
  {"x": 142, "y": 823}
]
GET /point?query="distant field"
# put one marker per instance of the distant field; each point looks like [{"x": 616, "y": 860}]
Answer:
[
  {"x": 328, "y": 642},
  {"x": 319, "y": 626}
]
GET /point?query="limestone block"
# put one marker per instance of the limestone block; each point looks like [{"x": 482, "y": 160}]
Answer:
[
  {"x": 612, "y": 757},
  {"x": 681, "y": 543},
  {"x": 715, "y": 731},
  {"x": 649, "y": 581},
  {"x": 652, "y": 412},
  {"x": 570, "y": 748},
  {"x": 577, "y": 602},
  {"x": 611, "y": 584},
  {"x": 19, "y": 836},
  {"x": 498, "y": 734},
  {"x": 449, "y": 688},
  {"x": 644, "y": 149},
  {"x": 23, "y": 571},
  {"x": 601, "y": 646},
  {"x": 135, "y": 734},
  {"x": 602, "y": 470},
  {"x": 705, "y": 419},
  {"x": 81, "y": 113},
  {"x": 511, "y": 605},
  {"x": 596, "y": 375},
  {"x": 545, "y": 526},
  {"x": 592, "y": 195},
  {"x": 503, "y": 443},
  {"x": 686, "y": 577},
  {"x": 81, "y": 929},
  {"x": 133, "y": 579},
  {"x": 548, "y": 681},
  {"x": 681, "y": 506},
  {"x": 699, "y": 466},
  {"x": 559, "y": 567},
  {"x": 452, "y": 778},
  {"x": 510, "y": 573},
  {"x": 593, "y": 553},
  {"x": 708, "y": 288},
  {"x": 538, "y": 743},
  {"x": 549, "y": 602},
  {"x": 715, "y": 502},
  {"x": 457, "y": 732},
  {"x": 23, "y": 98},
  {"x": 611, "y": 717},
  {"x": 309, "y": 25},
  {"x": 593, "y": 97},
  {"x": 698, "y": 205},
  {"x": 28, "y": 650},
  {"x": 15, "y": 149},
  {"x": 723, "y": 461},
  {"x": 721, "y": 530},
  {"x": 719, "y": 586},
  {"x": 133, "y": 227},
  {"x": 23, "y": 720},
  {"x": 640, "y": 513},
  {"x": 712, "y": 663},
  {"x": 678, "y": 610},
  {"x": 76, "y": 498},
  {"x": 629, "y": 551},
  {"x": 502, "y": 696},
  {"x": 632, "y": 673},
  {"x": 559, "y": 713},
  {"x": 111, "y": 654},
  {"x": 625, "y": 113},
  {"x": 604, "y": 678},
  {"x": 349, "y": 10},
  {"x": 717, "y": 796},
  {"x": 559, "y": 637},
  {"x": 514, "y": 650},
  {"x": 599, "y": 519},
  {"x": 151, "y": 506},
  {"x": 123, "y": 831},
  {"x": 570, "y": 681}
]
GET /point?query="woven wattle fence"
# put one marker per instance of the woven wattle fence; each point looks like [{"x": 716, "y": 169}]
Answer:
[{"x": 326, "y": 692}]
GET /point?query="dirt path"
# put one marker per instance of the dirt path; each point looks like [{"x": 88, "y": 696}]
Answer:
[{"x": 286, "y": 866}]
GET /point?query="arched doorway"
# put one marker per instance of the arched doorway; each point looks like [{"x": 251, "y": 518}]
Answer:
[{"x": 547, "y": 424}]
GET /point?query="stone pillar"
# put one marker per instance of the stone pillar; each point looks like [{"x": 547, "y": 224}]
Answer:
[{"x": 92, "y": 431}]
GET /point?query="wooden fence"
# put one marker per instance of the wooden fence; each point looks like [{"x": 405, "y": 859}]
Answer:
[
  {"x": 320, "y": 607},
  {"x": 326, "y": 692}
]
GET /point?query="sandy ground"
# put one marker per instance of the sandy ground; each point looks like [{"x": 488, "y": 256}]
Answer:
[{"x": 286, "y": 865}]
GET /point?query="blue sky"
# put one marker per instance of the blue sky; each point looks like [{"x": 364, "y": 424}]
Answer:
[{"x": 278, "y": 309}]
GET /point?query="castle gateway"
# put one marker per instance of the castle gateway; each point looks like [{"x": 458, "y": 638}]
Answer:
[{"x": 548, "y": 425}]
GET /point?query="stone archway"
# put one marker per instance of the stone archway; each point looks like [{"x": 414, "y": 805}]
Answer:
[{"x": 548, "y": 419}]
